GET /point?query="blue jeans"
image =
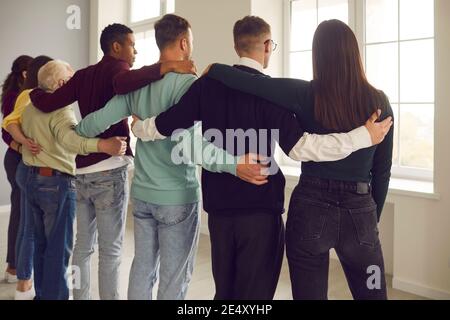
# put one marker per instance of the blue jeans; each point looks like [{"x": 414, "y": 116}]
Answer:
[
  {"x": 25, "y": 234},
  {"x": 166, "y": 238},
  {"x": 51, "y": 200},
  {"x": 102, "y": 200}
]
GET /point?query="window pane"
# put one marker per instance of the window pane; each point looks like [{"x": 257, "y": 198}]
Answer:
[
  {"x": 417, "y": 71},
  {"x": 145, "y": 9},
  {"x": 333, "y": 9},
  {"x": 301, "y": 65},
  {"x": 396, "y": 129},
  {"x": 303, "y": 24},
  {"x": 416, "y": 19},
  {"x": 148, "y": 52},
  {"x": 417, "y": 136},
  {"x": 170, "y": 6},
  {"x": 382, "y": 68},
  {"x": 381, "y": 20}
]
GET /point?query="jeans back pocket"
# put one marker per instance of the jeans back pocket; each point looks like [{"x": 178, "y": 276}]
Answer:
[
  {"x": 366, "y": 225},
  {"x": 307, "y": 218}
]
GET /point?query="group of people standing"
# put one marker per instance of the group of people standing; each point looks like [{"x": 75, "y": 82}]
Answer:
[{"x": 338, "y": 125}]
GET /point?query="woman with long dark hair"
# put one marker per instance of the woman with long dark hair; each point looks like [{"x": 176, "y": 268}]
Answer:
[
  {"x": 25, "y": 235},
  {"x": 11, "y": 88},
  {"x": 336, "y": 204}
]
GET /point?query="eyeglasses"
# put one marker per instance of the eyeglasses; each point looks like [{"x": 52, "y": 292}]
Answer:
[{"x": 274, "y": 44}]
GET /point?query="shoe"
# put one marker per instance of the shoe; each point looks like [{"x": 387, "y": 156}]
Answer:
[
  {"x": 9, "y": 278},
  {"x": 28, "y": 295}
]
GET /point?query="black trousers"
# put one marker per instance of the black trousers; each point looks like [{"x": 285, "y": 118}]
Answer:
[
  {"x": 247, "y": 251},
  {"x": 329, "y": 214},
  {"x": 12, "y": 160}
]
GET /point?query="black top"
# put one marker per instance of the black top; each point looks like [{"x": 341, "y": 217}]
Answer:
[
  {"x": 220, "y": 108},
  {"x": 366, "y": 165}
]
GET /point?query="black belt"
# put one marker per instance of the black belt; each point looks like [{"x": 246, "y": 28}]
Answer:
[{"x": 336, "y": 185}]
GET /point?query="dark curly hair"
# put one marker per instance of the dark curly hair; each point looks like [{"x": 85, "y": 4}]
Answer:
[{"x": 113, "y": 33}]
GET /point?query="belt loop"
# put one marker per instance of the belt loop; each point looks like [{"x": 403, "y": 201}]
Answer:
[{"x": 329, "y": 186}]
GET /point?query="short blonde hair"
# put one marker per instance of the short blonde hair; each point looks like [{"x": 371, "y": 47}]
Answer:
[{"x": 52, "y": 73}]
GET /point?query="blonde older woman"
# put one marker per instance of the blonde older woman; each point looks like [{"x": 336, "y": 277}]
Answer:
[{"x": 49, "y": 187}]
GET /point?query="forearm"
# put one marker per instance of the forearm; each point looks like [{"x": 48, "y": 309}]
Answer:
[
  {"x": 15, "y": 130},
  {"x": 76, "y": 144},
  {"x": 332, "y": 147},
  {"x": 380, "y": 187},
  {"x": 209, "y": 156},
  {"x": 129, "y": 81},
  {"x": 50, "y": 102},
  {"x": 98, "y": 122}
]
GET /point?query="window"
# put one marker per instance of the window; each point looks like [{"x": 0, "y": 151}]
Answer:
[
  {"x": 397, "y": 42},
  {"x": 142, "y": 17},
  {"x": 306, "y": 15},
  {"x": 399, "y": 46}
]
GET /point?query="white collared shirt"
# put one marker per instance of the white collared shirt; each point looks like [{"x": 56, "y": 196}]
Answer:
[{"x": 248, "y": 62}]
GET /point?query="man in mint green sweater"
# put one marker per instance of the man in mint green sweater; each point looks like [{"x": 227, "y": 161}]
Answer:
[{"x": 166, "y": 195}]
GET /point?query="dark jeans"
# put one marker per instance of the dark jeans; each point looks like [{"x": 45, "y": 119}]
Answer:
[
  {"x": 326, "y": 214},
  {"x": 247, "y": 251},
  {"x": 52, "y": 201},
  {"x": 12, "y": 160},
  {"x": 25, "y": 235}
]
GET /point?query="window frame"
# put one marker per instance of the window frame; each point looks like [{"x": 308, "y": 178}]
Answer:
[
  {"x": 357, "y": 22},
  {"x": 141, "y": 25}
]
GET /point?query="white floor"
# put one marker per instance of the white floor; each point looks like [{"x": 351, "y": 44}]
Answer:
[{"x": 202, "y": 285}]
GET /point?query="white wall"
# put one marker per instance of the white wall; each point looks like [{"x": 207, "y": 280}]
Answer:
[
  {"x": 212, "y": 24},
  {"x": 104, "y": 13},
  {"x": 36, "y": 28},
  {"x": 272, "y": 12}
]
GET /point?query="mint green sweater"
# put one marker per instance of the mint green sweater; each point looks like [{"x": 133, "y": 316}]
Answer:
[{"x": 157, "y": 179}]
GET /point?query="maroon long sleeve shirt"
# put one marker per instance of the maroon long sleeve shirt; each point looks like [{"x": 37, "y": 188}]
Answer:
[{"x": 92, "y": 88}]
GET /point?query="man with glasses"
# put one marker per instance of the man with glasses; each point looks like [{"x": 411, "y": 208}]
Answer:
[{"x": 245, "y": 222}]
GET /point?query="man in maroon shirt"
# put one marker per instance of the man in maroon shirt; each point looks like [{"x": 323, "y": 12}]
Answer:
[{"x": 102, "y": 181}]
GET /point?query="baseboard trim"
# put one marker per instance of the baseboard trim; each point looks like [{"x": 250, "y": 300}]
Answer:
[
  {"x": 419, "y": 289},
  {"x": 5, "y": 209}
]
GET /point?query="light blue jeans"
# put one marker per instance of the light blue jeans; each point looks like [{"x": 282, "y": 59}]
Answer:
[
  {"x": 166, "y": 238},
  {"x": 102, "y": 200}
]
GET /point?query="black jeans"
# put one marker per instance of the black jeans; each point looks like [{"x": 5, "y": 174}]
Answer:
[
  {"x": 12, "y": 160},
  {"x": 325, "y": 214},
  {"x": 247, "y": 251}
]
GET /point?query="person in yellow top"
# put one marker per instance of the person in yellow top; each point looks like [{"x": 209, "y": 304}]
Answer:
[
  {"x": 11, "y": 123},
  {"x": 50, "y": 183}
]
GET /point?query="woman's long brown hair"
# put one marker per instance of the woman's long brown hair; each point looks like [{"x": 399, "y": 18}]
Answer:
[{"x": 344, "y": 99}]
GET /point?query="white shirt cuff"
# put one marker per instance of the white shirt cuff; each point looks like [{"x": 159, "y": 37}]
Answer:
[
  {"x": 360, "y": 138},
  {"x": 146, "y": 130}
]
